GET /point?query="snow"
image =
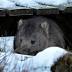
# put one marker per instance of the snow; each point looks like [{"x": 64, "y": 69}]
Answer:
[
  {"x": 12, "y": 62},
  {"x": 69, "y": 1},
  {"x": 6, "y": 43},
  {"x": 25, "y": 3},
  {"x": 52, "y": 2},
  {"x": 32, "y": 3},
  {"x": 42, "y": 62},
  {"x": 6, "y": 4}
]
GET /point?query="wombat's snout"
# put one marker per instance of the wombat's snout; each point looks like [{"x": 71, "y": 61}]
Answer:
[{"x": 32, "y": 41}]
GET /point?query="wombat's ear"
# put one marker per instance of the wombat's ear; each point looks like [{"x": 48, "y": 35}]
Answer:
[
  {"x": 45, "y": 26},
  {"x": 20, "y": 22}
]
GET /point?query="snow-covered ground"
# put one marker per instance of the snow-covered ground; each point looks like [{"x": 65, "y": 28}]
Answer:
[
  {"x": 52, "y": 2},
  {"x": 6, "y": 4},
  {"x": 26, "y": 3},
  {"x": 6, "y": 44},
  {"x": 42, "y": 62},
  {"x": 32, "y": 3},
  {"x": 12, "y": 62},
  {"x": 70, "y": 1}
]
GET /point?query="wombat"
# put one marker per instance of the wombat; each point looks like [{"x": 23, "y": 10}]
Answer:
[{"x": 37, "y": 33}]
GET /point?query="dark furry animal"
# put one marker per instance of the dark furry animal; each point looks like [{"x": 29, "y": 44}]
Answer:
[{"x": 36, "y": 34}]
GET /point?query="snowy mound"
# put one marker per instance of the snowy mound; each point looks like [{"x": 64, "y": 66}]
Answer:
[
  {"x": 6, "y": 4},
  {"x": 42, "y": 62},
  {"x": 11, "y": 62},
  {"x": 70, "y": 1},
  {"x": 52, "y": 2},
  {"x": 33, "y": 3},
  {"x": 25, "y": 3},
  {"x": 7, "y": 44}
]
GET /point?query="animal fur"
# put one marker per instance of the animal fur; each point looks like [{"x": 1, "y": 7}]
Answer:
[{"x": 36, "y": 34}]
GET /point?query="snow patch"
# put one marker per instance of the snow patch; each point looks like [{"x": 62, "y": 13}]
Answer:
[
  {"x": 6, "y": 4},
  {"x": 12, "y": 62},
  {"x": 34, "y": 3},
  {"x": 52, "y": 2},
  {"x": 25, "y": 3},
  {"x": 70, "y": 1},
  {"x": 42, "y": 62},
  {"x": 7, "y": 44}
]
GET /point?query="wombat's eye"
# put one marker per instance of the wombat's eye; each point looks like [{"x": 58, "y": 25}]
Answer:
[
  {"x": 20, "y": 40},
  {"x": 32, "y": 42}
]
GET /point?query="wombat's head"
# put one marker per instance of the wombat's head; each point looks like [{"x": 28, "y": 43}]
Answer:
[{"x": 36, "y": 34}]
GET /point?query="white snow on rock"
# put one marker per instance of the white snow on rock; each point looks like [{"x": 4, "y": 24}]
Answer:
[
  {"x": 69, "y": 1},
  {"x": 52, "y": 2},
  {"x": 33, "y": 3},
  {"x": 42, "y": 62},
  {"x": 6, "y": 4},
  {"x": 7, "y": 44},
  {"x": 12, "y": 62},
  {"x": 25, "y": 3},
  {"x": 36, "y": 3}
]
